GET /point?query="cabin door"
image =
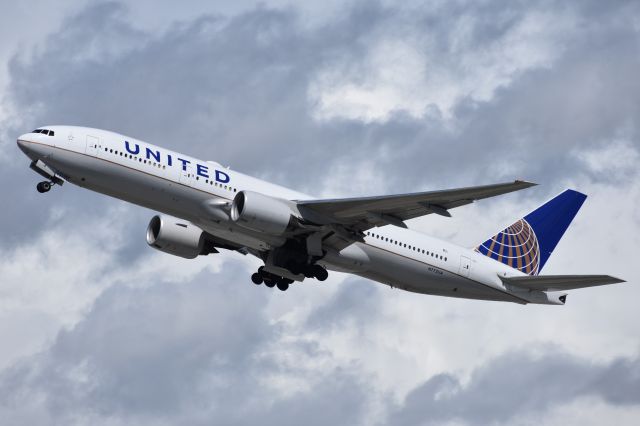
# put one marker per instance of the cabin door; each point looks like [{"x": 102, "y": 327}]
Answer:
[{"x": 465, "y": 266}]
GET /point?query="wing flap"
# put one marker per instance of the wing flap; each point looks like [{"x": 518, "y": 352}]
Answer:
[{"x": 559, "y": 282}]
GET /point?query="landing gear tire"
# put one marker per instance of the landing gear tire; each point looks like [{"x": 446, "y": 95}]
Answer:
[
  {"x": 283, "y": 285},
  {"x": 269, "y": 283},
  {"x": 308, "y": 272},
  {"x": 320, "y": 273},
  {"x": 256, "y": 278},
  {"x": 43, "y": 187}
]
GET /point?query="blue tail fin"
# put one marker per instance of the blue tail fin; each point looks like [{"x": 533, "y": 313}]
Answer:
[{"x": 527, "y": 244}]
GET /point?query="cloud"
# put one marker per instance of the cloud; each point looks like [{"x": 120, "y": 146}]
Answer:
[
  {"x": 513, "y": 113},
  {"x": 516, "y": 386},
  {"x": 375, "y": 98},
  {"x": 429, "y": 72},
  {"x": 178, "y": 353},
  {"x": 150, "y": 355}
]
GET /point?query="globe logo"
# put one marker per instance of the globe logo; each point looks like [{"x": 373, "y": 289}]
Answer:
[{"x": 516, "y": 246}]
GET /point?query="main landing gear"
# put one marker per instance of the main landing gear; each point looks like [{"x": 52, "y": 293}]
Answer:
[
  {"x": 272, "y": 280},
  {"x": 309, "y": 271},
  {"x": 44, "y": 186}
]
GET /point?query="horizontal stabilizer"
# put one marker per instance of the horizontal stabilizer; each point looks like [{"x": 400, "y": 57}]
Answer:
[{"x": 559, "y": 282}]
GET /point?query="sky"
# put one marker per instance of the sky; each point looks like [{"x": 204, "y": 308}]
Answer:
[{"x": 343, "y": 98}]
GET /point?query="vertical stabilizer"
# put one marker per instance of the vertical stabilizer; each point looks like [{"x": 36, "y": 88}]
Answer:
[{"x": 527, "y": 244}]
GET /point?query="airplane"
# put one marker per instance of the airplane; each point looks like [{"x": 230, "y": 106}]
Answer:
[{"x": 205, "y": 207}]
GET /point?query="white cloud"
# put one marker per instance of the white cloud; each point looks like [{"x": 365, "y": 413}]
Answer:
[
  {"x": 50, "y": 282},
  {"x": 392, "y": 340},
  {"x": 416, "y": 76},
  {"x": 614, "y": 159},
  {"x": 408, "y": 337}
]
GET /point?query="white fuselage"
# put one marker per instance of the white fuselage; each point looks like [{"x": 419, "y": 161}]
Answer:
[{"x": 186, "y": 187}]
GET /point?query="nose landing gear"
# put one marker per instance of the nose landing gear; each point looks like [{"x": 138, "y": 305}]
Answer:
[
  {"x": 46, "y": 172},
  {"x": 44, "y": 186}
]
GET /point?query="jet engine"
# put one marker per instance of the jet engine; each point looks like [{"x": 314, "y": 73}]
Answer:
[
  {"x": 261, "y": 213},
  {"x": 177, "y": 237}
]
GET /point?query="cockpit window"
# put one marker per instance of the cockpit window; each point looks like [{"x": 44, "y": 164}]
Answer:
[{"x": 44, "y": 132}]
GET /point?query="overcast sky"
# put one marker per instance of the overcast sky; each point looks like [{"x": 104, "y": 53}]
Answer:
[{"x": 331, "y": 98}]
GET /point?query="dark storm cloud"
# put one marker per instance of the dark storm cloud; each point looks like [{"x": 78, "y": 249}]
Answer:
[{"x": 519, "y": 384}]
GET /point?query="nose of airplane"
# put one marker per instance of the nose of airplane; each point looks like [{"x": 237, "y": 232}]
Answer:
[{"x": 23, "y": 142}]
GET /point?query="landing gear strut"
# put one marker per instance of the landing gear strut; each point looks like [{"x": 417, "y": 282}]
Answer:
[{"x": 44, "y": 186}]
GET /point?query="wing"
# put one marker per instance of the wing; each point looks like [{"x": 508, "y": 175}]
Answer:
[
  {"x": 348, "y": 218},
  {"x": 560, "y": 282},
  {"x": 394, "y": 209}
]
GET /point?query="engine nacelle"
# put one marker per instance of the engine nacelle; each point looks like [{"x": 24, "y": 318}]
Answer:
[
  {"x": 175, "y": 236},
  {"x": 260, "y": 212}
]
